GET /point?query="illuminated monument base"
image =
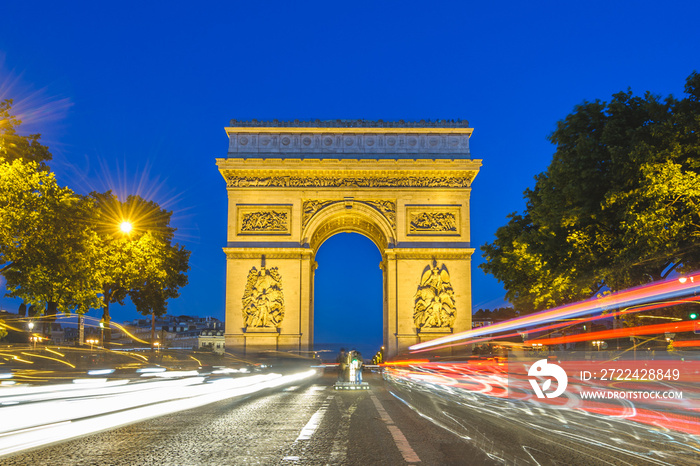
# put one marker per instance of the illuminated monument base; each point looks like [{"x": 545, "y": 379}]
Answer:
[{"x": 291, "y": 186}]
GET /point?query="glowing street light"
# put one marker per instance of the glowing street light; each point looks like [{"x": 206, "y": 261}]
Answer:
[
  {"x": 91, "y": 342},
  {"x": 34, "y": 339},
  {"x": 126, "y": 227}
]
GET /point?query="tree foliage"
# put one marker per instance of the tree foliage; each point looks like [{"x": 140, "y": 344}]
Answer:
[
  {"x": 618, "y": 206},
  {"x": 142, "y": 264},
  {"x": 62, "y": 252},
  {"x": 47, "y": 250},
  {"x": 14, "y": 146}
]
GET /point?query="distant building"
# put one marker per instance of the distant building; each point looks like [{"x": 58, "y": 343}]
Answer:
[
  {"x": 212, "y": 340},
  {"x": 477, "y": 323},
  {"x": 174, "y": 332}
]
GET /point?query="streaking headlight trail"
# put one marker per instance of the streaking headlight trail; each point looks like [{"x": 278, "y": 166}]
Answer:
[{"x": 663, "y": 290}]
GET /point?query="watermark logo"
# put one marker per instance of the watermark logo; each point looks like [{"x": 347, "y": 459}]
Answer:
[{"x": 542, "y": 368}]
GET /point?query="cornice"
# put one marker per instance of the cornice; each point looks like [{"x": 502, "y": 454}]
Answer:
[
  {"x": 349, "y": 124},
  {"x": 331, "y": 163},
  {"x": 343, "y": 130},
  {"x": 429, "y": 254},
  {"x": 269, "y": 253}
]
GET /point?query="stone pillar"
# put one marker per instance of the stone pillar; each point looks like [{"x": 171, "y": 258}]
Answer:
[{"x": 391, "y": 316}]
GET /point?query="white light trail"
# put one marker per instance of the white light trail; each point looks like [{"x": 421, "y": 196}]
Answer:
[{"x": 58, "y": 413}]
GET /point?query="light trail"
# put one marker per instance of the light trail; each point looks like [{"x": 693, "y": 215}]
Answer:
[
  {"x": 675, "y": 327},
  {"x": 634, "y": 309},
  {"x": 35, "y": 416},
  {"x": 657, "y": 291}
]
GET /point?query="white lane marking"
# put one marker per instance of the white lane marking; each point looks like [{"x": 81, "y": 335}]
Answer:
[
  {"x": 409, "y": 455},
  {"x": 290, "y": 458},
  {"x": 314, "y": 422},
  {"x": 340, "y": 442}
]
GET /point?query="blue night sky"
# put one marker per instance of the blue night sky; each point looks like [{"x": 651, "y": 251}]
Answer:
[{"x": 134, "y": 96}]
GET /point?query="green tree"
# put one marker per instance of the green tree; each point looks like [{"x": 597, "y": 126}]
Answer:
[
  {"x": 47, "y": 248},
  {"x": 618, "y": 206},
  {"x": 136, "y": 263},
  {"x": 160, "y": 280},
  {"x": 14, "y": 146}
]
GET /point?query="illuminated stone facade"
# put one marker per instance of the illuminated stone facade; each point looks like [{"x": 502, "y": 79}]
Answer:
[{"x": 293, "y": 185}]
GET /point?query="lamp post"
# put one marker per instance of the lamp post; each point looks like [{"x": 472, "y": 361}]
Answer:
[
  {"x": 91, "y": 342},
  {"x": 30, "y": 326},
  {"x": 34, "y": 339}
]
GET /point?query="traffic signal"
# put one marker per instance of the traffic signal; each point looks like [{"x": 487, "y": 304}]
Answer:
[{"x": 693, "y": 315}]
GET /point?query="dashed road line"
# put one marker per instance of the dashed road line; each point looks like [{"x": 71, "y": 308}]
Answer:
[
  {"x": 409, "y": 455},
  {"x": 315, "y": 420},
  {"x": 339, "y": 450}
]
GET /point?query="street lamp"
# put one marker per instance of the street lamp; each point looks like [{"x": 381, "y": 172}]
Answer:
[
  {"x": 126, "y": 227},
  {"x": 91, "y": 342},
  {"x": 34, "y": 339}
]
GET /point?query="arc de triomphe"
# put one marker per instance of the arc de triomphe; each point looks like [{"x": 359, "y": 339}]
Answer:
[{"x": 293, "y": 185}]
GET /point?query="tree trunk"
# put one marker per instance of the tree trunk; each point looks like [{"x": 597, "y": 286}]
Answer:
[
  {"x": 49, "y": 318},
  {"x": 153, "y": 331},
  {"x": 106, "y": 319}
]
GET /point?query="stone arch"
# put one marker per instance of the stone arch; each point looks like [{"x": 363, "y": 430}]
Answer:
[
  {"x": 351, "y": 217},
  {"x": 293, "y": 185}
]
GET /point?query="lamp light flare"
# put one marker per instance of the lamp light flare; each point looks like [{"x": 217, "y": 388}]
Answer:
[{"x": 126, "y": 227}]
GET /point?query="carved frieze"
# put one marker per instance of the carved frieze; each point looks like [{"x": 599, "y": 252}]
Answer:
[
  {"x": 432, "y": 220},
  {"x": 434, "y": 300},
  {"x": 264, "y": 220},
  {"x": 384, "y": 207},
  {"x": 263, "y": 300},
  {"x": 311, "y": 181}
]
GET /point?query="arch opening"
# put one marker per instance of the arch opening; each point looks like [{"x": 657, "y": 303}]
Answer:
[{"x": 348, "y": 294}]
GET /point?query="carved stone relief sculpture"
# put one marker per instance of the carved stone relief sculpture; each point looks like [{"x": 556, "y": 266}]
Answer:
[
  {"x": 434, "y": 300},
  {"x": 263, "y": 300},
  {"x": 265, "y": 221},
  {"x": 433, "y": 221}
]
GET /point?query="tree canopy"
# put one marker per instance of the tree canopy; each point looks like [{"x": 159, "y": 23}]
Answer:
[
  {"x": 63, "y": 252},
  {"x": 14, "y": 146},
  {"x": 618, "y": 206},
  {"x": 143, "y": 263},
  {"x": 47, "y": 250}
]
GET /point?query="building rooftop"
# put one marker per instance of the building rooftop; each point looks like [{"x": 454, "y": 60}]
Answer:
[{"x": 350, "y": 124}]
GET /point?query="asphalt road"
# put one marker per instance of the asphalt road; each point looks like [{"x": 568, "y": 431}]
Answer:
[{"x": 309, "y": 424}]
